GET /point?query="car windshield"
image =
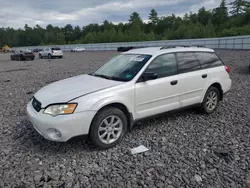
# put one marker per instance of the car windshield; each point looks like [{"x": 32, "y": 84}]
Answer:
[
  {"x": 123, "y": 67},
  {"x": 25, "y": 50}
]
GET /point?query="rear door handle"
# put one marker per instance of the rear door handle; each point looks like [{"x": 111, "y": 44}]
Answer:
[
  {"x": 174, "y": 82},
  {"x": 204, "y": 76}
]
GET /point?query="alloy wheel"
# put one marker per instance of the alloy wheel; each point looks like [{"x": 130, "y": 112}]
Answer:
[{"x": 110, "y": 129}]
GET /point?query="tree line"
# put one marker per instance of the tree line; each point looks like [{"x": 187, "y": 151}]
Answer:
[{"x": 229, "y": 19}]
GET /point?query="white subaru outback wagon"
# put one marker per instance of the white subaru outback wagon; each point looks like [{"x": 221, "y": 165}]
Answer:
[{"x": 133, "y": 85}]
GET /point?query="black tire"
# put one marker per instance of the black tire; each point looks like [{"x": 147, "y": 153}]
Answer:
[
  {"x": 61, "y": 57},
  {"x": 11, "y": 58},
  {"x": 32, "y": 58},
  {"x": 97, "y": 122},
  {"x": 40, "y": 56},
  {"x": 20, "y": 58},
  {"x": 49, "y": 56},
  {"x": 205, "y": 108}
]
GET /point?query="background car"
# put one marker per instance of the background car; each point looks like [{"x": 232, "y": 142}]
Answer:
[
  {"x": 37, "y": 50},
  {"x": 78, "y": 49},
  {"x": 127, "y": 48},
  {"x": 51, "y": 52},
  {"x": 23, "y": 54}
]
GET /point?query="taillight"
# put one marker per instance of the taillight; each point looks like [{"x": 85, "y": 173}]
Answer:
[
  {"x": 52, "y": 51},
  {"x": 227, "y": 69}
]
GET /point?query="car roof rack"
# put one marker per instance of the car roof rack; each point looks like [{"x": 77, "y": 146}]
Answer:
[{"x": 182, "y": 46}]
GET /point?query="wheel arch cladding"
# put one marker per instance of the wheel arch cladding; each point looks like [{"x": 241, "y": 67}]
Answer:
[
  {"x": 123, "y": 108},
  {"x": 218, "y": 86}
]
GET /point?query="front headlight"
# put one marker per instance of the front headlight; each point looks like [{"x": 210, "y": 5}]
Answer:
[{"x": 60, "y": 109}]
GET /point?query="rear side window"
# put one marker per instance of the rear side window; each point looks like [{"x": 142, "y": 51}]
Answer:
[
  {"x": 208, "y": 60},
  {"x": 55, "y": 48},
  {"x": 187, "y": 62}
]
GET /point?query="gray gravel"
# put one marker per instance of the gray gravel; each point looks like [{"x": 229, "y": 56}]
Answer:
[{"x": 187, "y": 149}]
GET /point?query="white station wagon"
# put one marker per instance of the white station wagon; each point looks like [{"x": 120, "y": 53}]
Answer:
[{"x": 133, "y": 85}]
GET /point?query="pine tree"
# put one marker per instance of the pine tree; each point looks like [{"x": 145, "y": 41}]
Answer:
[
  {"x": 238, "y": 7},
  {"x": 135, "y": 18},
  {"x": 153, "y": 17}
]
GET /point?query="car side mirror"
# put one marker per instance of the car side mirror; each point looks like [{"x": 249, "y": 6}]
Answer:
[{"x": 149, "y": 76}]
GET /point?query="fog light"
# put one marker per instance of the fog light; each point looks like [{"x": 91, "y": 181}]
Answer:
[{"x": 54, "y": 133}]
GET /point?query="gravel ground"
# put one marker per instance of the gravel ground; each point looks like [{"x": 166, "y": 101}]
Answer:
[{"x": 187, "y": 149}]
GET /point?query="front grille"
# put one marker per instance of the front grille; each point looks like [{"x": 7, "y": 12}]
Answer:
[{"x": 36, "y": 104}]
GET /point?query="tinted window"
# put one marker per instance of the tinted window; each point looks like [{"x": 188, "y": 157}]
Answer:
[
  {"x": 55, "y": 49},
  {"x": 187, "y": 62},
  {"x": 164, "y": 65},
  {"x": 208, "y": 60}
]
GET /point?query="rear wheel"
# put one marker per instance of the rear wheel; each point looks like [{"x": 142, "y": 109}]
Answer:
[
  {"x": 49, "y": 56},
  {"x": 40, "y": 56},
  {"x": 60, "y": 57},
  {"x": 108, "y": 128},
  {"x": 211, "y": 100},
  {"x": 20, "y": 58}
]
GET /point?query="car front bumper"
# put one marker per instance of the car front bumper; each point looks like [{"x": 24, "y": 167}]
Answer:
[{"x": 62, "y": 127}]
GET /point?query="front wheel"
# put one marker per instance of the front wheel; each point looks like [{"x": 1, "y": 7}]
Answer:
[
  {"x": 108, "y": 128},
  {"x": 211, "y": 100}
]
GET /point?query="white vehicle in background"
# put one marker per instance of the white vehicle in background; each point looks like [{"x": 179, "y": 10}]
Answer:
[
  {"x": 131, "y": 86},
  {"x": 51, "y": 52},
  {"x": 78, "y": 49}
]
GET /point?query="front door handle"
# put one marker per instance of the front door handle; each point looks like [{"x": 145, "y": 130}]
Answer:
[
  {"x": 174, "y": 82},
  {"x": 204, "y": 76}
]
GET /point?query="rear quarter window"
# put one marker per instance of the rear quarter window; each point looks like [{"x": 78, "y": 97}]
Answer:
[{"x": 208, "y": 60}]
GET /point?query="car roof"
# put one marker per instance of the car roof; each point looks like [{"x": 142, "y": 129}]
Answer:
[{"x": 155, "y": 51}]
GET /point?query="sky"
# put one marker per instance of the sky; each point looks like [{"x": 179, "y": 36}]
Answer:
[{"x": 16, "y": 13}]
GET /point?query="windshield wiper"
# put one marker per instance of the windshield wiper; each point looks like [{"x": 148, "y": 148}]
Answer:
[
  {"x": 108, "y": 77},
  {"x": 102, "y": 76}
]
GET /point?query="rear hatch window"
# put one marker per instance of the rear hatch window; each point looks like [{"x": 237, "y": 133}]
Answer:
[{"x": 55, "y": 48}]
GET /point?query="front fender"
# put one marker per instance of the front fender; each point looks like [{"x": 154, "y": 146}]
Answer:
[{"x": 111, "y": 100}]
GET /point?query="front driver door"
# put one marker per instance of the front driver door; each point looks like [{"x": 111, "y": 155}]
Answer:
[{"x": 162, "y": 94}]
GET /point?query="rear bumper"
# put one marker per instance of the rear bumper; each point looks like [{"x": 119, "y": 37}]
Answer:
[
  {"x": 227, "y": 85},
  {"x": 57, "y": 55}
]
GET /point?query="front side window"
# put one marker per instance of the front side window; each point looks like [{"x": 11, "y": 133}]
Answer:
[
  {"x": 123, "y": 67},
  {"x": 163, "y": 65},
  {"x": 187, "y": 62},
  {"x": 208, "y": 60}
]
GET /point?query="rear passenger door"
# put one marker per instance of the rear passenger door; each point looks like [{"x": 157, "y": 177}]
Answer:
[{"x": 192, "y": 79}]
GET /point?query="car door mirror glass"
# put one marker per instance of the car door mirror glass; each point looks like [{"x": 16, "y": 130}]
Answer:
[{"x": 149, "y": 76}]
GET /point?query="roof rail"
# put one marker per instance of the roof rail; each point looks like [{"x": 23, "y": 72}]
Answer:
[{"x": 183, "y": 46}]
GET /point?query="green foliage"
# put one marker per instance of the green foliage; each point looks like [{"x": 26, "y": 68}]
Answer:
[
  {"x": 205, "y": 23},
  {"x": 153, "y": 17}
]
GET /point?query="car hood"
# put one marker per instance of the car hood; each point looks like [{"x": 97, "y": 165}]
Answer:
[{"x": 70, "y": 88}]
